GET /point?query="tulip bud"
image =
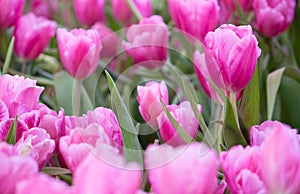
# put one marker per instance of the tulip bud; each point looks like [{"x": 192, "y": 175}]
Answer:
[
  {"x": 196, "y": 17},
  {"x": 231, "y": 51},
  {"x": 37, "y": 144},
  {"x": 245, "y": 5},
  {"x": 188, "y": 169},
  {"x": 184, "y": 115},
  {"x": 148, "y": 42},
  {"x": 11, "y": 11},
  {"x": 79, "y": 51},
  {"x": 89, "y": 12},
  {"x": 148, "y": 97},
  {"x": 273, "y": 17},
  {"x": 32, "y": 35},
  {"x": 45, "y": 8}
]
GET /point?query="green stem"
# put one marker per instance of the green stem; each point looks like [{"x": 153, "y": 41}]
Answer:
[
  {"x": 77, "y": 97},
  {"x": 232, "y": 98},
  {"x": 135, "y": 10}
]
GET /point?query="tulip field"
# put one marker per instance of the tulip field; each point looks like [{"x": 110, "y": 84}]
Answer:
[{"x": 149, "y": 96}]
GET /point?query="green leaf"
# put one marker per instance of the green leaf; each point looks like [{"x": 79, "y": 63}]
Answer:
[
  {"x": 187, "y": 138},
  {"x": 231, "y": 132},
  {"x": 53, "y": 171},
  {"x": 8, "y": 56},
  {"x": 273, "y": 83},
  {"x": 132, "y": 147},
  {"x": 11, "y": 136},
  {"x": 249, "y": 107}
]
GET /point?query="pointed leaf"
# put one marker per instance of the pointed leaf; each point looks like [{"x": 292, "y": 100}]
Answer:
[
  {"x": 231, "y": 132},
  {"x": 132, "y": 148},
  {"x": 11, "y": 136},
  {"x": 53, "y": 171},
  {"x": 8, "y": 56}
]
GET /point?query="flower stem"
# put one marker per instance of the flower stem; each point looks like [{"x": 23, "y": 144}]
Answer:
[
  {"x": 77, "y": 97},
  {"x": 134, "y": 9},
  {"x": 232, "y": 98}
]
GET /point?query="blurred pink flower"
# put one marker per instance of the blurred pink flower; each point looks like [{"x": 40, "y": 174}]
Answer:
[
  {"x": 109, "y": 39},
  {"x": 246, "y": 5},
  {"x": 32, "y": 35},
  {"x": 45, "y": 8},
  {"x": 76, "y": 146},
  {"x": 106, "y": 173},
  {"x": 148, "y": 97},
  {"x": 196, "y": 17},
  {"x": 147, "y": 42},
  {"x": 229, "y": 51},
  {"x": 11, "y": 11},
  {"x": 89, "y": 12},
  {"x": 42, "y": 183},
  {"x": 14, "y": 168},
  {"x": 241, "y": 167},
  {"x": 273, "y": 17},
  {"x": 259, "y": 133},
  {"x": 184, "y": 115},
  {"x": 280, "y": 165},
  {"x": 122, "y": 12},
  {"x": 19, "y": 94},
  {"x": 186, "y": 169}
]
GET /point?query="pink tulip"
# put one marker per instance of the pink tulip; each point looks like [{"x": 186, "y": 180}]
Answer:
[
  {"x": 76, "y": 146},
  {"x": 184, "y": 115},
  {"x": 79, "y": 51},
  {"x": 74, "y": 121},
  {"x": 106, "y": 173},
  {"x": 37, "y": 144},
  {"x": 11, "y": 11},
  {"x": 147, "y": 42},
  {"x": 19, "y": 94},
  {"x": 89, "y": 12},
  {"x": 108, "y": 121},
  {"x": 14, "y": 168},
  {"x": 231, "y": 51},
  {"x": 196, "y": 17},
  {"x": 122, "y": 12},
  {"x": 186, "y": 169},
  {"x": 38, "y": 184},
  {"x": 273, "y": 17},
  {"x": 45, "y": 8},
  {"x": 148, "y": 97},
  {"x": 32, "y": 35},
  {"x": 203, "y": 75},
  {"x": 241, "y": 167},
  {"x": 259, "y": 133},
  {"x": 4, "y": 115},
  {"x": 245, "y": 5},
  {"x": 109, "y": 39},
  {"x": 5, "y": 126},
  {"x": 281, "y": 161}
]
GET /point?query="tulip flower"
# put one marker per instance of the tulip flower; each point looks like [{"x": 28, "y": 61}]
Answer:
[
  {"x": 281, "y": 161},
  {"x": 259, "y": 133},
  {"x": 122, "y": 12},
  {"x": 231, "y": 51},
  {"x": 148, "y": 97},
  {"x": 38, "y": 183},
  {"x": 32, "y": 35},
  {"x": 89, "y": 12},
  {"x": 4, "y": 115},
  {"x": 45, "y": 8},
  {"x": 76, "y": 146},
  {"x": 147, "y": 42},
  {"x": 11, "y": 11},
  {"x": 37, "y": 144},
  {"x": 106, "y": 173},
  {"x": 5, "y": 126},
  {"x": 109, "y": 39},
  {"x": 14, "y": 168},
  {"x": 19, "y": 94},
  {"x": 186, "y": 169},
  {"x": 195, "y": 17},
  {"x": 79, "y": 51},
  {"x": 184, "y": 115},
  {"x": 273, "y": 17},
  {"x": 241, "y": 167}
]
